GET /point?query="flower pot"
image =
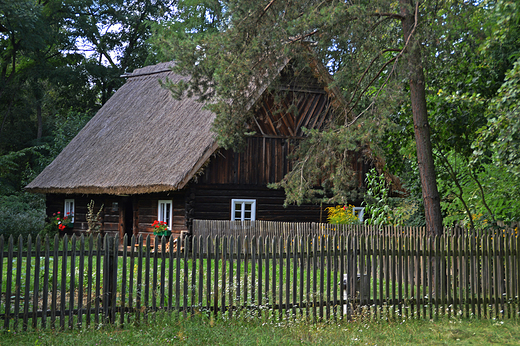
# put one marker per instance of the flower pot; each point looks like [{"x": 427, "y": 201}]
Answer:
[{"x": 166, "y": 233}]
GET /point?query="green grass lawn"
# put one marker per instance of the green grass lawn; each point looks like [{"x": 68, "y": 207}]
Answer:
[{"x": 249, "y": 330}]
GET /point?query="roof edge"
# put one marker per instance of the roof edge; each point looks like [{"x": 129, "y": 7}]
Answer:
[
  {"x": 98, "y": 190},
  {"x": 207, "y": 154}
]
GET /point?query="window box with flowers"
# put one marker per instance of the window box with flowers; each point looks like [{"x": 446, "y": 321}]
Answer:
[
  {"x": 63, "y": 222},
  {"x": 160, "y": 228}
]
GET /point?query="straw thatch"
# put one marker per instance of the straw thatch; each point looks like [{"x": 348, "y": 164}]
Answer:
[{"x": 142, "y": 140}]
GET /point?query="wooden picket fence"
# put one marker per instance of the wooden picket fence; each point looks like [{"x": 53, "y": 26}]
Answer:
[{"x": 81, "y": 281}]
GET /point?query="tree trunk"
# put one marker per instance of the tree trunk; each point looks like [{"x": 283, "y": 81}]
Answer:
[
  {"x": 432, "y": 207},
  {"x": 7, "y": 113},
  {"x": 40, "y": 121}
]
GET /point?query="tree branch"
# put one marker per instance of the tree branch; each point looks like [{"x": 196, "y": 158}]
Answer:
[
  {"x": 456, "y": 181},
  {"x": 265, "y": 10},
  {"x": 482, "y": 194},
  {"x": 368, "y": 68},
  {"x": 388, "y": 15},
  {"x": 396, "y": 59},
  {"x": 301, "y": 37}
]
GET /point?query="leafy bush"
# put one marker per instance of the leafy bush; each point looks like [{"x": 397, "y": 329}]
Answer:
[
  {"x": 342, "y": 215},
  {"x": 21, "y": 214}
]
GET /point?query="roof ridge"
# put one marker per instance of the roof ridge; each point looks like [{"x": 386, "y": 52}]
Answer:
[{"x": 138, "y": 74}]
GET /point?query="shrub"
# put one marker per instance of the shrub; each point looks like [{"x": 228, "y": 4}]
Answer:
[
  {"x": 342, "y": 215},
  {"x": 21, "y": 214}
]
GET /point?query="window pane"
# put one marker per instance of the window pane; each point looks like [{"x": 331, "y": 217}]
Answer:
[
  {"x": 161, "y": 211},
  {"x": 167, "y": 213},
  {"x": 243, "y": 209},
  {"x": 164, "y": 212},
  {"x": 69, "y": 209}
]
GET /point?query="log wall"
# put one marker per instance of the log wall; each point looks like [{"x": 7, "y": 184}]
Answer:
[
  {"x": 213, "y": 202},
  {"x": 143, "y": 210}
]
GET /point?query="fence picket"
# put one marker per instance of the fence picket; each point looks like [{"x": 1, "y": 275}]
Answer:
[
  {"x": 217, "y": 243},
  {"x": 308, "y": 248},
  {"x": 335, "y": 281},
  {"x": 81, "y": 269},
  {"x": 329, "y": 249},
  {"x": 224, "y": 263},
  {"x": 501, "y": 276},
  {"x": 131, "y": 285},
  {"x": 201, "y": 272},
  {"x": 36, "y": 287},
  {"x": 260, "y": 270},
  {"x": 238, "y": 298},
  {"x": 8, "y": 284},
  {"x": 194, "y": 246},
  {"x": 280, "y": 277},
  {"x": 155, "y": 252},
  {"x": 508, "y": 275},
  {"x": 232, "y": 256},
  {"x": 303, "y": 268},
  {"x": 294, "y": 274},
  {"x": 178, "y": 276},
  {"x": 26, "y": 299},
  {"x": 287, "y": 253},
  {"x": 322, "y": 274},
  {"x": 123, "y": 280},
  {"x": 72, "y": 283},
  {"x": 253, "y": 268},
  {"x": 1, "y": 267},
  {"x": 18, "y": 284},
  {"x": 63, "y": 281}
]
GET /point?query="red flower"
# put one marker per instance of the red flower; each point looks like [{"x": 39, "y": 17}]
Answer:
[{"x": 61, "y": 227}]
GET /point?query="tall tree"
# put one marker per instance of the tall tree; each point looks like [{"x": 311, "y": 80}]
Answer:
[
  {"x": 420, "y": 118},
  {"x": 370, "y": 46},
  {"x": 114, "y": 34}
]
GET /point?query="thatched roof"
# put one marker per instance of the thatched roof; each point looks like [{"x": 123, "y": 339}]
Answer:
[{"x": 142, "y": 140}]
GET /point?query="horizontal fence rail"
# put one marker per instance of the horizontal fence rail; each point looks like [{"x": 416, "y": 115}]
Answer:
[{"x": 80, "y": 281}]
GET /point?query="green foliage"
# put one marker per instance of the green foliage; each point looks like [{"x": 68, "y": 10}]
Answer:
[
  {"x": 50, "y": 229},
  {"x": 21, "y": 214},
  {"x": 323, "y": 170},
  {"x": 499, "y": 204},
  {"x": 381, "y": 209},
  {"x": 66, "y": 128},
  {"x": 17, "y": 168},
  {"x": 377, "y": 200},
  {"x": 501, "y": 134}
]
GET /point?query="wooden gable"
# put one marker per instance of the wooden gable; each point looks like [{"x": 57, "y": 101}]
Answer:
[
  {"x": 280, "y": 115},
  {"x": 294, "y": 103}
]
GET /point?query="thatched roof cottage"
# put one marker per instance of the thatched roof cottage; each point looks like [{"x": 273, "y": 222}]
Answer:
[{"x": 147, "y": 156}]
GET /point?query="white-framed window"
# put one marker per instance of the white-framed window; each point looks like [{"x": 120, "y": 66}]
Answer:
[
  {"x": 68, "y": 209},
  {"x": 243, "y": 209},
  {"x": 359, "y": 212},
  {"x": 165, "y": 212}
]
